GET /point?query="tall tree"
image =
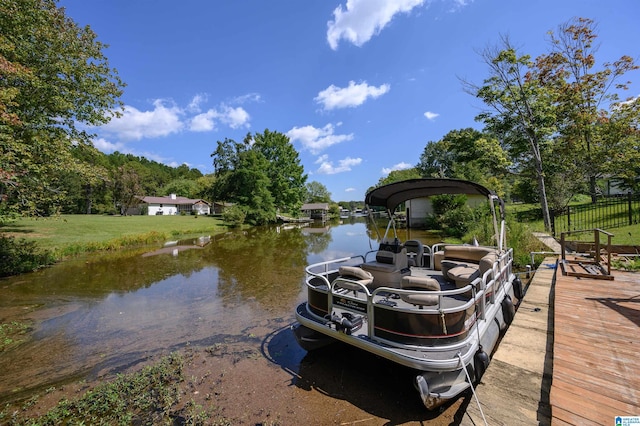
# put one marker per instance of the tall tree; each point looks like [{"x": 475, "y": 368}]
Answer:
[
  {"x": 465, "y": 154},
  {"x": 284, "y": 170},
  {"x": 317, "y": 193},
  {"x": 521, "y": 111},
  {"x": 126, "y": 188},
  {"x": 583, "y": 93},
  {"x": 242, "y": 179},
  {"x": 263, "y": 174},
  {"x": 55, "y": 81}
]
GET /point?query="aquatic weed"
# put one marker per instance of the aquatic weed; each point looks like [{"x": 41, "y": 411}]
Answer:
[{"x": 148, "y": 396}]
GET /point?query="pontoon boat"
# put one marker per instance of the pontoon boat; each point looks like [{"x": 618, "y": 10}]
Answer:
[{"x": 437, "y": 309}]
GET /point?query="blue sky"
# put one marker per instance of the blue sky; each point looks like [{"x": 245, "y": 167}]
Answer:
[{"x": 359, "y": 86}]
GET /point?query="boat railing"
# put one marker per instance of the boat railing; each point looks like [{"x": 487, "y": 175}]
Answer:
[
  {"x": 322, "y": 270},
  {"x": 427, "y": 254},
  {"x": 384, "y": 293},
  {"x": 349, "y": 284},
  {"x": 436, "y": 310},
  {"x": 367, "y": 255},
  {"x": 483, "y": 291}
]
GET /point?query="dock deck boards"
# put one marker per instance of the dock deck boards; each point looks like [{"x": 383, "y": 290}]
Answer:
[{"x": 596, "y": 373}]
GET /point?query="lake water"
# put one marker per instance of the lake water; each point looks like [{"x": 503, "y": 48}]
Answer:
[{"x": 103, "y": 313}]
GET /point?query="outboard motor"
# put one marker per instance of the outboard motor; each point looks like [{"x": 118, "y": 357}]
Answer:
[
  {"x": 480, "y": 362},
  {"x": 347, "y": 322}
]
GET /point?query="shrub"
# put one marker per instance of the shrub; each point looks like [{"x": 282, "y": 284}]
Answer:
[
  {"x": 19, "y": 256},
  {"x": 234, "y": 216},
  {"x": 451, "y": 215},
  {"x": 456, "y": 222},
  {"x": 519, "y": 237}
]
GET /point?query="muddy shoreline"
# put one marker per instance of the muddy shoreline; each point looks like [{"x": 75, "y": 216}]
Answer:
[{"x": 269, "y": 380}]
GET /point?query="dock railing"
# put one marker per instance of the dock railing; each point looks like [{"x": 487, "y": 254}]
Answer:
[{"x": 589, "y": 268}]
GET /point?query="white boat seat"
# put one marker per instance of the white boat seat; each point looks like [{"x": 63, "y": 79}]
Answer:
[{"x": 425, "y": 285}]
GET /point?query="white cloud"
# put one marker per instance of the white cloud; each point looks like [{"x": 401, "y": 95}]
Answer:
[
  {"x": 248, "y": 98},
  {"x": 232, "y": 117},
  {"x": 349, "y": 190},
  {"x": 399, "y": 166},
  {"x": 235, "y": 117},
  {"x": 204, "y": 122},
  {"x": 106, "y": 146},
  {"x": 354, "y": 95},
  {"x": 327, "y": 167},
  {"x": 362, "y": 19},
  {"x": 315, "y": 139},
  {"x": 167, "y": 118},
  {"x": 135, "y": 124},
  {"x": 194, "y": 105},
  {"x": 431, "y": 115}
]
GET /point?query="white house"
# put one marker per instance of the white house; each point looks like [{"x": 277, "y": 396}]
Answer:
[{"x": 174, "y": 205}]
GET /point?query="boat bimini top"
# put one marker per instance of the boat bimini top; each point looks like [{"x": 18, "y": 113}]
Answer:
[{"x": 390, "y": 196}]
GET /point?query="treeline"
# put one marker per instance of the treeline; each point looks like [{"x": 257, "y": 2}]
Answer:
[{"x": 119, "y": 179}]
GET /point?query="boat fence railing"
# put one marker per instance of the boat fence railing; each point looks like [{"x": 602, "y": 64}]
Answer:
[{"x": 327, "y": 267}]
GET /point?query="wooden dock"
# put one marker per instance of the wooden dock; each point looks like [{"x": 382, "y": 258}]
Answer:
[{"x": 596, "y": 349}]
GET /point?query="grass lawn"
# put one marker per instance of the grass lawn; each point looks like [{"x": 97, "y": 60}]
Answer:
[
  {"x": 623, "y": 236},
  {"x": 71, "y": 233}
]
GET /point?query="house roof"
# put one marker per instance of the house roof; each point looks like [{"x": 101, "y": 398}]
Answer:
[
  {"x": 315, "y": 206},
  {"x": 169, "y": 200}
]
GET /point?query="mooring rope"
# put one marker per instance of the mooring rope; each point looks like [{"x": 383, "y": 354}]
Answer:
[{"x": 464, "y": 367}]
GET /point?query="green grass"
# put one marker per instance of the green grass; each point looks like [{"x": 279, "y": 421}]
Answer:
[
  {"x": 12, "y": 334},
  {"x": 150, "y": 396},
  {"x": 624, "y": 235},
  {"x": 72, "y": 234}
]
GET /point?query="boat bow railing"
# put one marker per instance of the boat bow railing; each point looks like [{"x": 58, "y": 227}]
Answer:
[{"x": 322, "y": 270}]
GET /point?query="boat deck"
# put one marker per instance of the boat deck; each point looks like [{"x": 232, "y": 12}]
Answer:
[{"x": 596, "y": 374}]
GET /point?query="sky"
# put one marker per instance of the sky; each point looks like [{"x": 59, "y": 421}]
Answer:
[{"x": 359, "y": 86}]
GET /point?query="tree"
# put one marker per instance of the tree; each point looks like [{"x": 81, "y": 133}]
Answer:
[
  {"x": 255, "y": 196},
  {"x": 521, "y": 111},
  {"x": 583, "y": 95},
  {"x": 465, "y": 154},
  {"x": 317, "y": 193},
  {"x": 284, "y": 170},
  {"x": 182, "y": 187},
  {"x": 126, "y": 188},
  {"x": 242, "y": 179},
  {"x": 263, "y": 174},
  {"x": 621, "y": 137},
  {"x": 55, "y": 82},
  {"x": 396, "y": 176}
]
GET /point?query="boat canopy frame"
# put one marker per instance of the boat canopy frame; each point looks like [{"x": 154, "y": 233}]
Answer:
[{"x": 390, "y": 196}]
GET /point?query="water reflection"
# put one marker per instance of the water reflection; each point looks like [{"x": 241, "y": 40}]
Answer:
[{"x": 101, "y": 314}]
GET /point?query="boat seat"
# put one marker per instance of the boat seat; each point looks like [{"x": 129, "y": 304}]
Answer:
[
  {"x": 464, "y": 274},
  {"x": 416, "y": 247},
  {"x": 350, "y": 275},
  {"x": 425, "y": 285},
  {"x": 481, "y": 258},
  {"x": 388, "y": 268},
  {"x": 437, "y": 260}
]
